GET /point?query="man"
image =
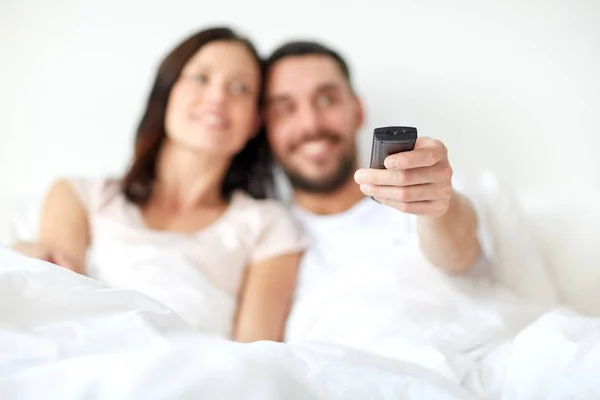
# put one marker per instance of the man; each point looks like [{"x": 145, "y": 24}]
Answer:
[
  {"x": 361, "y": 248},
  {"x": 397, "y": 277},
  {"x": 313, "y": 115}
]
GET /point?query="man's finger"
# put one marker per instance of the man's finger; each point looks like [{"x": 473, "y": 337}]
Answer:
[
  {"x": 428, "y": 152},
  {"x": 425, "y": 141},
  {"x": 418, "y": 176},
  {"x": 409, "y": 194}
]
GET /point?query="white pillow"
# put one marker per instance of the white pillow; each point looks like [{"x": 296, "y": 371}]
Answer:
[
  {"x": 19, "y": 218},
  {"x": 518, "y": 258},
  {"x": 6, "y": 211},
  {"x": 567, "y": 220}
]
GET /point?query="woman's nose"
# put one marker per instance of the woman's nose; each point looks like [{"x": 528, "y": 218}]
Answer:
[{"x": 216, "y": 93}]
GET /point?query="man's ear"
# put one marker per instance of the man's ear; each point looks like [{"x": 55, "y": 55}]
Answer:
[
  {"x": 257, "y": 124},
  {"x": 359, "y": 112}
]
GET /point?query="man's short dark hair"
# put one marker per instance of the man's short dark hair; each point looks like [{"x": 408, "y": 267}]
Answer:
[{"x": 308, "y": 48}]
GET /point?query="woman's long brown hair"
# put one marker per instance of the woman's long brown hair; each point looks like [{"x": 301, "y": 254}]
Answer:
[{"x": 250, "y": 170}]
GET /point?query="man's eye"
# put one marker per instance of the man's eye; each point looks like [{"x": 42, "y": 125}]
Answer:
[
  {"x": 283, "y": 109},
  {"x": 324, "y": 100}
]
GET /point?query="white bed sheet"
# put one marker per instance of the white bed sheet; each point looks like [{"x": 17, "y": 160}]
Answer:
[{"x": 65, "y": 336}]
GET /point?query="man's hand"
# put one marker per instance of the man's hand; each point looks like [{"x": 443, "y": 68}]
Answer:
[
  {"x": 420, "y": 182},
  {"x": 416, "y": 182}
]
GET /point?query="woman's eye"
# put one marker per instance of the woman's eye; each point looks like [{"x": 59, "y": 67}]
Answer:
[
  {"x": 239, "y": 88},
  {"x": 199, "y": 78}
]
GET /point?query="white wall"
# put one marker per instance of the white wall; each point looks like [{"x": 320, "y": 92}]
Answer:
[{"x": 509, "y": 85}]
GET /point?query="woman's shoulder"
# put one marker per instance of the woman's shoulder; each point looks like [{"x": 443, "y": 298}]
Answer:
[
  {"x": 93, "y": 192},
  {"x": 260, "y": 215},
  {"x": 274, "y": 228}
]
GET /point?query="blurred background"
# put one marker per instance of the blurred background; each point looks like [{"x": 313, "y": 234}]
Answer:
[{"x": 512, "y": 86}]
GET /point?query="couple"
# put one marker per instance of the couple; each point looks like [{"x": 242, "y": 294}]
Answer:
[{"x": 200, "y": 192}]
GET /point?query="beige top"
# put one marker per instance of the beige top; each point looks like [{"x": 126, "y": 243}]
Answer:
[{"x": 197, "y": 275}]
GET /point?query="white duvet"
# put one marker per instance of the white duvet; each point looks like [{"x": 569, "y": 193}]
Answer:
[
  {"x": 65, "y": 336},
  {"x": 467, "y": 330}
]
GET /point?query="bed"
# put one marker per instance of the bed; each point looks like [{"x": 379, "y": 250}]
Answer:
[{"x": 65, "y": 336}]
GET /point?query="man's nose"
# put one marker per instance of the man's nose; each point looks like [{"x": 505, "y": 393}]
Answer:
[{"x": 309, "y": 119}]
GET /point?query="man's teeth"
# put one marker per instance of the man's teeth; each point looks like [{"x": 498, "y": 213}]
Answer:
[{"x": 315, "y": 147}]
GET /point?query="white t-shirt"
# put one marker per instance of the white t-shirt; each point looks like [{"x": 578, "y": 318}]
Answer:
[
  {"x": 365, "y": 283},
  {"x": 197, "y": 275}
]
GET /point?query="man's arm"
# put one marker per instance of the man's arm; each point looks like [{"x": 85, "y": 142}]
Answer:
[
  {"x": 419, "y": 182},
  {"x": 450, "y": 241}
]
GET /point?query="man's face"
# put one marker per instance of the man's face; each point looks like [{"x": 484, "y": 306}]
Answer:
[{"x": 312, "y": 117}]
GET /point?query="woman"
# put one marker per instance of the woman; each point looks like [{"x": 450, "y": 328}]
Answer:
[{"x": 189, "y": 223}]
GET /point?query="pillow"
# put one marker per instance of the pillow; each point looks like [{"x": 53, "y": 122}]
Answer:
[
  {"x": 567, "y": 221},
  {"x": 6, "y": 211},
  {"x": 517, "y": 258},
  {"x": 26, "y": 221},
  {"x": 19, "y": 218}
]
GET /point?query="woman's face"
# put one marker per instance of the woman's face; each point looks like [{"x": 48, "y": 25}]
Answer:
[{"x": 213, "y": 105}]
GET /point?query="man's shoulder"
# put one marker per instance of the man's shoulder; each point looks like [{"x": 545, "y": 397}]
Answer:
[{"x": 366, "y": 215}]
